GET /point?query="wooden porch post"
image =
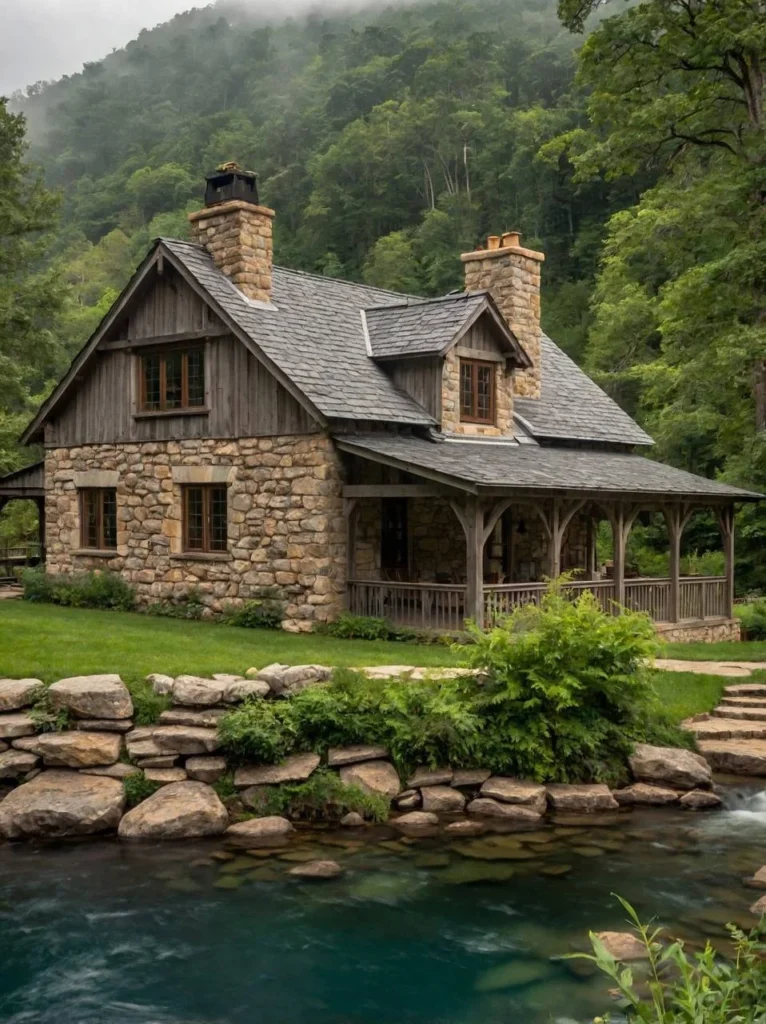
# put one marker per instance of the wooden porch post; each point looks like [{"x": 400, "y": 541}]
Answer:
[
  {"x": 555, "y": 522},
  {"x": 676, "y": 518},
  {"x": 351, "y": 510},
  {"x": 40, "y": 502},
  {"x": 725, "y": 518},
  {"x": 621, "y": 517},
  {"x": 478, "y": 523}
]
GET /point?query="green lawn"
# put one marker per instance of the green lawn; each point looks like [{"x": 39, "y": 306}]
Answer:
[
  {"x": 47, "y": 642},
  {"x": 749, "y": 650},
  {"x": 685, "y": 694}
]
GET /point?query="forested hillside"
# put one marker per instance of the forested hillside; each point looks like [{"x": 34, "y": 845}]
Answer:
[{"x": 391, "y": 139}]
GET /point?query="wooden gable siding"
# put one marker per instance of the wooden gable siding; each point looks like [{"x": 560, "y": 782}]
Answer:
[
  {"x": 167, "y": 305},
  {"x": 422, "y": 379},
  {"x": 482, "y": 337}
]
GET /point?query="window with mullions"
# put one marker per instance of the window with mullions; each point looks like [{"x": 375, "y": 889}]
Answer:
[
  {"x": 477, "y": 391},
  {"x": 98, "y": 518},
  {"x": 205, "y": 519},
  {"x": 173, "y": 380}
]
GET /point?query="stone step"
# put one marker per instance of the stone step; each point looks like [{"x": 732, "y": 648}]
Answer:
[
  {"x": 743, "y": 714},
  {"x": 727, "y": 729},
  {"x": 746, "y": 690},
  {"x": 743, "y": 702},
  {"x": 735, "y": 757}
]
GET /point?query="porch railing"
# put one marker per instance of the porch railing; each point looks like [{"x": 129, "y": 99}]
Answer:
[{"x": 442, "y": 606}]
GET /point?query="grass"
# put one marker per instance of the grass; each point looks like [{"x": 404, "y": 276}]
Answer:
[
  {"x": 48, "y": 642},
  {"x": 747, "y": 650},
  {"x": 684, "y": 694}
]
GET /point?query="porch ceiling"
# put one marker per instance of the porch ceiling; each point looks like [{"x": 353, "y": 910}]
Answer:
[{"x": 507, "y": 467}]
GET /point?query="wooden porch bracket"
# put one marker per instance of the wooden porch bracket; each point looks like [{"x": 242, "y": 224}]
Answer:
[
  {"x": 478, "y": 520},
  {"x": 556, "y": 517},
  {"x": 621, "y": 518}
]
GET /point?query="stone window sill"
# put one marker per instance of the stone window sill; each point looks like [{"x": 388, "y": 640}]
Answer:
[
  {"x": 158, "y": 414},
  {"x": 202, "y": 556},
  {"x": 97, "y": 552}
]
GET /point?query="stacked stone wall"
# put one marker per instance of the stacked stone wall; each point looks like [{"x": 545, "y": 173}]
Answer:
[
  {"x": 238, "y": 236},
  {"x": 285, "y": 520},
  {"x": 451, "y": 422}
]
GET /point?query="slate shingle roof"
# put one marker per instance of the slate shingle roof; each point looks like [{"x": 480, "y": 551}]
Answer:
[
  {"x": 540, "y": 468},
  {"x": 422, "y": 327},
  {"x": 313, "y": 332},
  {"x": 573, "y": 407}
]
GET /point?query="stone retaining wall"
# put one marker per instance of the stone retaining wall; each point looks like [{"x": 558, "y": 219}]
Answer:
[{"x": 710, "y": 632}]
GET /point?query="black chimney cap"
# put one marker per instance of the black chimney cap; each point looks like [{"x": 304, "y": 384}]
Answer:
[{"x": 229, "y": 181}]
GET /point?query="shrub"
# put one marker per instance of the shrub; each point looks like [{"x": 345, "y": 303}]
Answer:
[
  {"x": 95, "y": 589},
  {"x": 567, "y": 691},
  {"x": 752, "y": 617},
  {"x": 363, "y": 627},
  {"x": 137, "y": 788},
  {"x": 324, "y": 797},
  {"x": 225, "y": 787},
  {"x": 187, "y": 605},
  {"x": 264, "y": 612},
  {"x": 44, "y": 715},
  {"x": 258, "y": 732},
  {"x": 346, "y": 710},
  {"x": 147, "y": 705},
  {"x": 690, "y": 990}
]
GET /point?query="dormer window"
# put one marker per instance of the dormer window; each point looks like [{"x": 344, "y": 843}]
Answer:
[
  {"x": 173, "y": 380},
  {"x": 477, "y": 391}
]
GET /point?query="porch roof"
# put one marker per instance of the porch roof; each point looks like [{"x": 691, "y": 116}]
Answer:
[
  {"x": 28, "y": 482},
  {"x": 508, "y": 466}
]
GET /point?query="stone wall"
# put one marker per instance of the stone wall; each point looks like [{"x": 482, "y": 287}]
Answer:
[
  {"x": 451, "y": 422},
  {"x": 711, "y": 632},
  {"x": 285, "y": 520}
]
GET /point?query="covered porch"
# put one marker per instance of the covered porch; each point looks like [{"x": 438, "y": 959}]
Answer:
[
  {"x": 431, "y": 553},
  {"x": 27, "y": 484}
]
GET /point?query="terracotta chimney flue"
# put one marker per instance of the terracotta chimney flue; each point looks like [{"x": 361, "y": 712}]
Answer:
[
  {"x": 493, "y": 241},
  {"x": 510, "y": 238}
]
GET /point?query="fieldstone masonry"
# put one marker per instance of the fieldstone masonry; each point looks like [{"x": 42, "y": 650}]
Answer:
[
  {"x": 285, "y": 521},
  {"x": 238, "y": 236},
  {"x": 451, "y": 422}
]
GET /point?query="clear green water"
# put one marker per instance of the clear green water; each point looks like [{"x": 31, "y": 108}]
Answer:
[{"x": 423, "y": 932}]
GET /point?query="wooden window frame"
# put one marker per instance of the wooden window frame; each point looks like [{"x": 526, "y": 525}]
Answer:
[
  {"x": 84, "y": 496},
  {"x": 207, "y": 491},
  {"x": 475, "y": 365},
  {"x": 163, "y": 355}
]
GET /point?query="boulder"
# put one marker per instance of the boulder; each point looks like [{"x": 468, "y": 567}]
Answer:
[
  {"x": 259, "y": 831},
  {"x": 15, "y": 725},
  {"x": 195, "y": 691},
  {"x": 15, "y": 763},
  {"x": 581, "y": 799},
  {"x": 415, "y": 819},
  {"x": 623, "y": 945},
  {"x": 103, "y": 724},
  {"x": 641, "y": 794},
  {"x": 293, "y": 680},
  {"x": 373, "y": 777},
  {"x": 352, "y": 820},
  {"x": 700, "y": 800},
  {"x": 758, "y": 881},
  {"x": 408, "y": 800},
  {"x": 205, "y": 769},
  {"x": 758, "y": 908},
  {"x": 512, "y": 791},
  {"x": 319, "y": 869},
  {"x": 269, "y": 673},
  {"x": 488, "y": 808},
  {"x": 470, "y": 777},
  {"x": 207, "y": 718},
  {"x": 165, "y": 776},
  {"x": 112, "y": 771},
  {"x": 339, "y": 756},
  {"x": 181, "y": 810},
  {"x": 241, "y": 689},
  {"x": 161, "y": 684},
  {"x": 465, "y": 828},
  {"x": 18, "y": 693},
  {"x": 670, "y": 766},
  {"x": 442, "y": 799},
  {"x": 139, "y": 748},
  {"x": 76, "y": 749},
  {"x": 296, "y": 768},
  {"x": 58, "y": 804},
  {"x": 185, "y": 739},
  {"x": 101, "y": 696},
  {"x": 430, "y": 777}
]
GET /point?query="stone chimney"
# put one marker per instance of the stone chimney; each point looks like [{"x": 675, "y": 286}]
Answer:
[
  {"x": 236, "y": 230},
  {"x": 511, "y": 274}
]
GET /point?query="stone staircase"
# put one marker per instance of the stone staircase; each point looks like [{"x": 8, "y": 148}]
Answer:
[{"x": 733, "y": 738}]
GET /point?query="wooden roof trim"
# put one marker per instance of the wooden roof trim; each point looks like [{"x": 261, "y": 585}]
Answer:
[
  {"x": 389, "y": 460},
  {"x": 512, "y": 343}
]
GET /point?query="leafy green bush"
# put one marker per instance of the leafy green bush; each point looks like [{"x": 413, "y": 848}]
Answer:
[
  {"x": 137, "y": 788},
  {"x": 752, "y": 617},
  {"x": 324, "y": 797},
  {"x": 363, "y": 627},
  {"x": 567, "y": 689},
  {"x": 264, "y": 612},
  {"x": 187, "y": 605},
  {"x": 147, "y": 705},
  {"x": 703, "y": 989},
  {"x": 44, "y": 715},
  {"x": 225, "y": 787},
  {"x": 259, "y": 731},
  {"x": 95, "y": 589},
  {"x": 346, "y": 710}
]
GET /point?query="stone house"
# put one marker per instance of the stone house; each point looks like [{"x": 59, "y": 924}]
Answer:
[{"x": 233, "y": 426}]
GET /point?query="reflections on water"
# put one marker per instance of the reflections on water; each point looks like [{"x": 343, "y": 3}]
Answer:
[{"x": 419, "y": 931}]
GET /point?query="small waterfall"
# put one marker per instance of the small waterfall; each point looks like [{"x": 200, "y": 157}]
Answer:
[{"x": 745, "y": 801}]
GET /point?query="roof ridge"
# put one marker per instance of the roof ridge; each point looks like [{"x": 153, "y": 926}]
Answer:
[{"x": 451, "y": 297}]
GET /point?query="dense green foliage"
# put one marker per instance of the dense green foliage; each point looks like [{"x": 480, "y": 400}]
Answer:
[
  {"x": 147, "y": 705},
  {"x": 46, "y": 717},
  {"x": 684, "y": 989},
  {"x": 323, "y": 797},
  {"x": 264, "y": 612},
  {"x": 561, "y": 693},
  {"x": 137, "y": 788},
  {"x": 752, "y": 619},
  {"x": 79, "y": 590}
]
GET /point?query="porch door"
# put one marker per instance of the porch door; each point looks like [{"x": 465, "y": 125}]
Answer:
[{"x": 394, "y": 543}]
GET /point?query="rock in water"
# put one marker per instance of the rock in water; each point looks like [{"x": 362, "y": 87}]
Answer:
[
  {"x": 512, "y": 791},
  {"x": 59, "y": 803},
  {"x": 415, "y": 819},
  {"x": 320, "y": 869},
  {"x": 443, "y": 799},
  {"x": 181, "y": 810},
  {"x": 377, "y": 777},
  {"x": 623, "y": 945},
  {"x": 18, "y": 693},
  {"x": 352, "y": 820},
  {"x": 259, "y": 831},
  {"x": 670, "y": 766},
  {"x": 644, "y": 795},
  {"x": 581, "y": 799},
  {"x": 700, "y": 800},
  {"x": 104, "y": 696},
  {"x": 488, "y": 808}
]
